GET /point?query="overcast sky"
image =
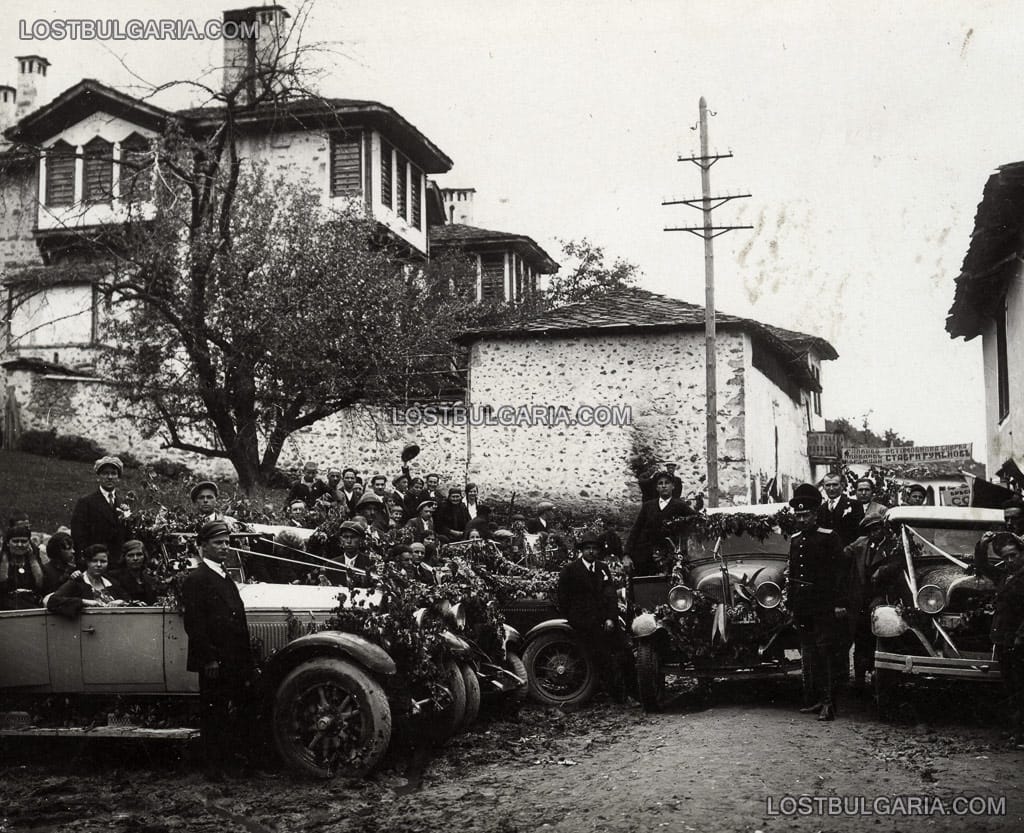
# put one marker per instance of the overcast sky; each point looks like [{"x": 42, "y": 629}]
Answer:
[{"x": 864, "y": 130}]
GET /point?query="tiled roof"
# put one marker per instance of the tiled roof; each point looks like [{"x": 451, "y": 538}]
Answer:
[
  {"x": 466, "y": 237},
  {"x": 994, "y": 254},
  {"x": 624, "y": 310}
]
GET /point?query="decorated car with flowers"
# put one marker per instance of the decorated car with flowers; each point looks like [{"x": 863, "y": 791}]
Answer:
[
  {"x": 720, "y": 611},
  {"x": 339, "y": 667},
  {"x": 936, "y": 614}
]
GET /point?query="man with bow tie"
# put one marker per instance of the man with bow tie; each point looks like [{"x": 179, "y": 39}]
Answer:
[
  {"x": 587, "y": 599},
  {"x": 96, "y": 518}
]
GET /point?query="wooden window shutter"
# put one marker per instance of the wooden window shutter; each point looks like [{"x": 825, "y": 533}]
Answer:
[
  {"x": 401, "y": 188},
  {"x": 60, "y": 174},
  {"x": 136, "y": 169},
  {"x": 346, "y": 165},
  {"x": 417, "y": 198},
  {"x": 99, "y": 171},
  {"x": 385, "y": 174}
]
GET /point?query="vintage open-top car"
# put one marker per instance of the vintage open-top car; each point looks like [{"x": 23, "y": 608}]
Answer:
[
  {"x": 937, "y": 613},
  {"x": 721, "y": 614},
  {"x": 328, "y": 697}
]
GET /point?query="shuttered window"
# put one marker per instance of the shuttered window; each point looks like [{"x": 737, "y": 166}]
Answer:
[
  {"x": 402, "y": 188},
  {"x": 346, "y": 165},
  {"x": 136, "y": 169},
  {"x": 99, "y": 171},
  {"x": 385, "y": 174},
  {"x": 417, "y": 198},
  {"x": 492, "y": 283},
  {"x": 60, "y": 174}
]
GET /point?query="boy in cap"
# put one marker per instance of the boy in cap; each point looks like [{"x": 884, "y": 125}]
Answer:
[
  {"x": 815, "y": 596},
  {"x": 96, "y": 518}
]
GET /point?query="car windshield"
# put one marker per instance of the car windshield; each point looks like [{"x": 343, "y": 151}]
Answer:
[
  {"x": 959, "y": 542},
  {"x": 738, "y": 545}
]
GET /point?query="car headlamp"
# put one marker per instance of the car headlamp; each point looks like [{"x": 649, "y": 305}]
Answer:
[
  {"x": 931, "y": 599},
  {"x": 680, "y": 598},
  {"x": 456, "y": 617},
  {"x": 768, "y": 594}
]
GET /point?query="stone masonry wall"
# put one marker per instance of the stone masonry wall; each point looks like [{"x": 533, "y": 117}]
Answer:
[{"x": 660, "y": 377}]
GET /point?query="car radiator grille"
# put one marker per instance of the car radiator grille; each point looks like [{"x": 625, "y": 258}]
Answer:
[{"x": 269, "y": 636}]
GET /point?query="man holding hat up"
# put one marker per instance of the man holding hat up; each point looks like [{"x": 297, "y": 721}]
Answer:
[
  {"x": 816, "y": 598},
  {"x": 218, "y": 647},
  {"x": 95, "y": 518}
]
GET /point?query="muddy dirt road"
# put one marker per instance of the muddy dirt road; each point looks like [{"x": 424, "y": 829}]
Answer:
[{"x": 729, "y": 767}]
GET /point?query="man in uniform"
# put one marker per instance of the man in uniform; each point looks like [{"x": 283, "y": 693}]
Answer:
[
  {"x": 838, "y": 512},
  {"x": 815, "y": 597},
  {"x": 651, "y": 527},
  {"x": 218, "y": 648},
  {"x": 587, "y": 599}
]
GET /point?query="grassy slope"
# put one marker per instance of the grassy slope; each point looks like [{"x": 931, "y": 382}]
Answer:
[{"x": 47, "y": 488}]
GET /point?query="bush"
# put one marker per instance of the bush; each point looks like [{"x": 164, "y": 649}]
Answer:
[
  {"x": 171, "y": 469},
  {"x": 130, "y": 460},
  {"x": 74, "y": 447},
  {"x": 38, "y": 442},
  {"x": 279, "y": 479}
]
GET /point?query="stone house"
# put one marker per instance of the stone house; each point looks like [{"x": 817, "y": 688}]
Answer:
[
  {"x": 636, "y": 360},
  {"x": 989, "y": 302}
]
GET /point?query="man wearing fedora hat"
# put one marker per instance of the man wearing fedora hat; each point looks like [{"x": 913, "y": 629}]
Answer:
[
  {"x": 651, "y": 528},
  {"x": 587, "y": 599},
  {"x": 864, "y": 556},
  {"x": 816, "y": 598},
  {"x": 96, "y": 518},
  {"x": 218, "y": 647}
]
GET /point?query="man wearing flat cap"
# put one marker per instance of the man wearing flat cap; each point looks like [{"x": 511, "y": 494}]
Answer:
[
  {"x": 653, "y": 526},
  {"x": 864, "y": 556},
  {"x": 916, "y": 495},
  {"x": 96, "y": 518},
  {"x": 218, "y": 648},
  {"x": 815, "y": 595},
  {"x": 423, "y": 521}
]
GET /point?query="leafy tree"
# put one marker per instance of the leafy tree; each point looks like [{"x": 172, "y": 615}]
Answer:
[
  {"x": 864, "y": 436},
  {"x": 585, "y": 274}
]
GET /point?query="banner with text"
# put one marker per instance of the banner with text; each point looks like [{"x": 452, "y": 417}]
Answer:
[{"x": 865, "y": 455}]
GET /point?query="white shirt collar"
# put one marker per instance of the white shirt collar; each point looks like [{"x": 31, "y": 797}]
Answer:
[
  {"x": 217, "y": 568},
  {"x": 663, "y": 502}
]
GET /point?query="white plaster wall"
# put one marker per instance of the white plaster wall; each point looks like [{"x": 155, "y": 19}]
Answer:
[
  {"x": 660, "y": 377},
  {"x": 1006, "y": 438},
  {"x": 770, "y": 409}
]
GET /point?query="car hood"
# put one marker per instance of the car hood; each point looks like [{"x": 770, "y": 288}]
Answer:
[
  {"x": 706, "y": 574},
  {"x": 955, "y": 583},
  {"x": 299, "y": 597}
]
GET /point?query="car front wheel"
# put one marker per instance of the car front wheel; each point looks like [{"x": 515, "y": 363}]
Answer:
[
  {"x": 559, "y": 670},
  {"x": 331, "y": 718},
  {"x": 650, "y": 677}
]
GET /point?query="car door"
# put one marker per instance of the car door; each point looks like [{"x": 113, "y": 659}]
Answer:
[{"x": 122, "y": 649}]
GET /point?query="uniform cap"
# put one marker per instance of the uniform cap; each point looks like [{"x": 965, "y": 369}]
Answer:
[
  {"x": 214, "y": 529},
  {"x": 805, "y": 497}
]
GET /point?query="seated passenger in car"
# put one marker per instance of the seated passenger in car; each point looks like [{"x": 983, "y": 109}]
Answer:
[
  {"x": 21, "y": 570},
  {"x": 91, "y": 589},
  {"x": 134, "y": 578},
  {"x": 61, "y": 565}
]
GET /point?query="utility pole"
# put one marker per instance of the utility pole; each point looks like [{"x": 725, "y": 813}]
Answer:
[{"x": 709, "y": 232}]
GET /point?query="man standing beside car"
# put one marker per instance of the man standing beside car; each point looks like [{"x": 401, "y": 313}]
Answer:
[
  {"x": 219, "y": 648},
  {"x": 587, "y": 599},
  {"x": 815, "y": 597},
  {"x": 838, "y": 512},
  {"x": 97, "y": 518},
  {"x": 651, "y": 529}
]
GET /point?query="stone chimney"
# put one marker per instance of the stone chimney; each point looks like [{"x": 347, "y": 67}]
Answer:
[
  {"x": 253, "y": 38},
  {"x": 8, "y": 96},
  {"x": 31, "y": 84},
  {"x": 458, "y": 205}
]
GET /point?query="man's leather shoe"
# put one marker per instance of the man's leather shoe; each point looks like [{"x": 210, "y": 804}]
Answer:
[
  {"x": 812, "y": 709},
  {"x": 827, "y": 713}
]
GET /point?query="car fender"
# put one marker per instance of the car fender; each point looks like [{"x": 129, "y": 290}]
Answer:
[
  {"x": 646, "y": 625},
  {"x": 356, "y": 648},
  {"x": 457, "y": 645},
  {"x": 547, "y": 626},
  {"x": 511, "y": 638}
]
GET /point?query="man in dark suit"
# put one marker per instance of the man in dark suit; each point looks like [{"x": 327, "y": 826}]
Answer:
[
  {"x": 544, "y": 522},
  {"x": 587, "y": 599},
  {"x": 96, "y": 518},
  {"x": 651, "y": 528},
  {"x": 304, "y": 488},
  {"x": 218, "y": 648},
  {"x": 423, "y": 521},
  {"x": 452, "y": 516},
  {"x": 838, "y": 512}
]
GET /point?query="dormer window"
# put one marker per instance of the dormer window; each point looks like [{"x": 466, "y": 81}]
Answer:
[
  {"x": 98, "y": 180},
  {"x": 60, "y": 174},
  {"x": 136, "y": 169}
]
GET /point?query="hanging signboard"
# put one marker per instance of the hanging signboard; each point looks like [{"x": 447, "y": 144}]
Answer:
[{"x": 865, "y": 455}]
